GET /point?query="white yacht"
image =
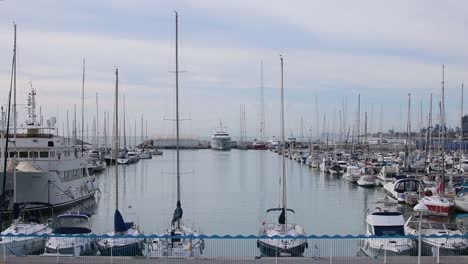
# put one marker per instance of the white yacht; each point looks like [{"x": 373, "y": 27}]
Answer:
[
  {"x": 353, "y": 173},
  {"x": 456, "y": 245},
  {"x": 386, "y": 221},
  {"x": 404, "y": 190},
  {"x": 387, "y": 174},
  {"x": 49, "y": 168},
  {"x": 72, "y": 223},
  {"x": 221, "y": 139}
]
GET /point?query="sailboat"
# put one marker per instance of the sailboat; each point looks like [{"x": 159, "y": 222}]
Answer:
[
  {"x": 120, "y": 246},
  {"x": 280, "y": 237},
  {"x": 179, "y": 240},
  {"x": 20, "y": 245}
]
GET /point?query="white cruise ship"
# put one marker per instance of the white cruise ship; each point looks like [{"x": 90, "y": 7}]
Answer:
[
  {"x": 221, "y": 139},
  {"x": 49, "y": 168}
]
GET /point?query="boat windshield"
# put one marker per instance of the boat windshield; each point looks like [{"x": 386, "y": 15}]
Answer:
[
  {"x": 389, "y": 230},
  {"x": 72, "y": 225}
]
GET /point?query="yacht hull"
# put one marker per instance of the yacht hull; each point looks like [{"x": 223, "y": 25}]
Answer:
[
  {"x": 132, "y": 249},
  {"x": 221, "y": 144},
  {"x": 21, "y": 247},
  {"x": 269, "y": 250},
  {"x": 48, "y": 187}
]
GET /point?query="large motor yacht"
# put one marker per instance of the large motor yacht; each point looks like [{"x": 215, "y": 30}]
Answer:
[
  {"x": 221, "y": 139},
  {"x": 46, "y": 168}
]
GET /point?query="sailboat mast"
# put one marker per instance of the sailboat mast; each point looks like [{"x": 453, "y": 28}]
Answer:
[
  {"x": 5, "y": 155},
  {"x": 124, "y": 128},
  {"x": 283, "y": 150},
  {"x": 141, "y": 131},
  {"x": 82, "y": 109},
  {"x": 262, "y": 105},
  {"x": 442, "y": 114},
  {"x": 14, "y": 120},
  {"x": 116, "y": 146},
  {"x": 97, "y": 120},
  {"x": 359, "y": 120},
  {"x": 177, "y": 107},
  {"x": 408, "y": 132},
  {"x": 461, "y": 129}
]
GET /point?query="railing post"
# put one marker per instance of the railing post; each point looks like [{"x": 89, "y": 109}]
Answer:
[
  {"x": 438, "y": 255},
  {"x": 385, "y": 256},
  {"x": 4, "y": 252},
  {"x": 331, "y": 251}
]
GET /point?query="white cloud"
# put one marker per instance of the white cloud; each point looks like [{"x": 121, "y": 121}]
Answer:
[{"x": 221, "y": 74}]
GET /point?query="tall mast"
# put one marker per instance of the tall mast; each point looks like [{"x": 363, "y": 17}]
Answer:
[
  {"x": 105, "y": 132},
  {"x": 142, "y": 131},
  {"x": 429, "y": 133},
  {"x": 442, "y": 119},
  {"x": 82, "y": 108},
  {"x": 74, "y": 125},
  {"x": 359, "y": 119},
  {"x": 116, "y": 146},
  {"x": 14, "y": 120},
  {"x": 461, "y": 127},
  {"x": 97, "y": 120},
  {"x": 283, "y": 163},
  {"x": 262, "y": 105},
  {"x": 408, "y": 131},
  {"x": 5, "y": 154},
  {"x": 177, "y": 107},
  {"x": 124, "y": 128}
]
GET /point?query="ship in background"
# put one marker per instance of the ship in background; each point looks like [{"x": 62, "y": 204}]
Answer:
[{"x": 221, "y": 140}]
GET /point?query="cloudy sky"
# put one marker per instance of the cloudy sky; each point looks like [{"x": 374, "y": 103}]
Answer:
[{"x": 334, "y": 50}]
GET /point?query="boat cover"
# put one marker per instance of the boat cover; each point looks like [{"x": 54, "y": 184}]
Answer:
[{"x": 119, "y": 224}]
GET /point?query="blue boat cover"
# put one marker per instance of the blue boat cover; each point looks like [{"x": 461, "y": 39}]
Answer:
[{"x": 119, "y": 224}]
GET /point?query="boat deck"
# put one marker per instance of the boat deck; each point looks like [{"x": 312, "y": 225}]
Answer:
[{"x": 338, "y": 260}]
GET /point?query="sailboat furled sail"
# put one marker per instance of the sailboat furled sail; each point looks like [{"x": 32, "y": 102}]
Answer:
[
  {"x": 180, "y": 240},
  {"x": 178, "y": 212},
  {"x": 294, "y": 242}
]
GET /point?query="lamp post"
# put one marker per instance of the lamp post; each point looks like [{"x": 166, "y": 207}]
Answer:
[{"x": 420, "y": 208}]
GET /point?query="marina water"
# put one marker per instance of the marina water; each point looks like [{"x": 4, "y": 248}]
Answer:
[{"x": 227, "y": 193}]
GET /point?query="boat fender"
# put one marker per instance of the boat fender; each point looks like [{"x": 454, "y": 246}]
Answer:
[{"x": 89, "y": 186}]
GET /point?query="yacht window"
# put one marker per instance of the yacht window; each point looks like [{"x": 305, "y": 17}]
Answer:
[
  {"x": 44, "y": 154},
  {"x": 12, "y": 154},
  {"x": 389, "y": 230},
  {"x": 23, "y": 154},
  {"x": 33, "y": 154},
  {"x": 50, "y": 143}
]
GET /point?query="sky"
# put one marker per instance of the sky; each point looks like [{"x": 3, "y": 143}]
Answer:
[{"x": 333, "y": 51}]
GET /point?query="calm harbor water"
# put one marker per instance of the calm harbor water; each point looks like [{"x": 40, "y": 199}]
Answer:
[{"x": 228, "y": 192}]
